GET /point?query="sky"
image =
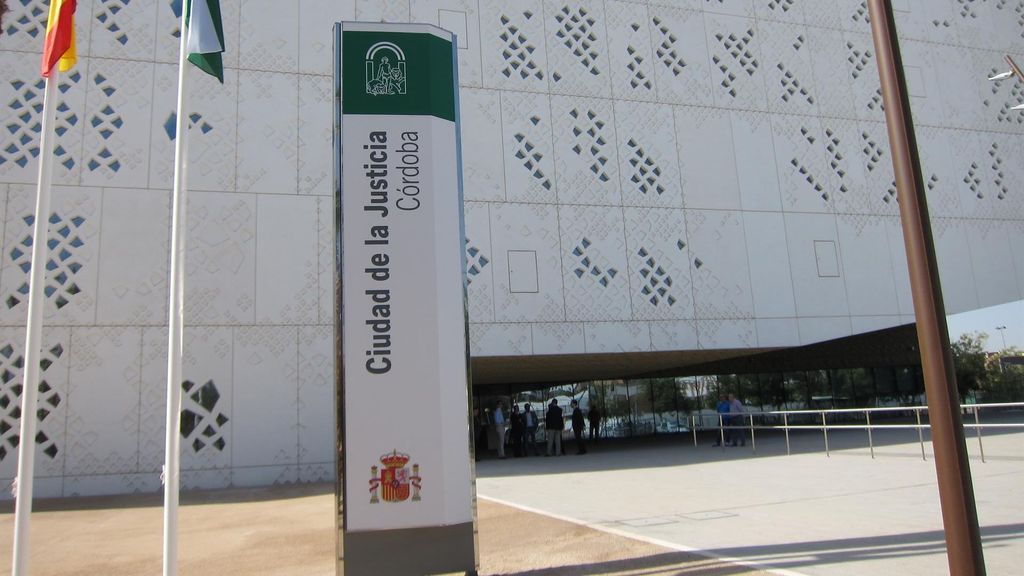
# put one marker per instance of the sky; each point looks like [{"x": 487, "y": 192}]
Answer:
[{"x": 986, "y": 320}]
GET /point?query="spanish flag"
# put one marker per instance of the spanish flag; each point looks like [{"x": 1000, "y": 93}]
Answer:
[{"x": 60, "y": 37}]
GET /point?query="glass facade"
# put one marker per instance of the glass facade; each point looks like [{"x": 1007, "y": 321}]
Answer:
[{"x": 659, "y": 406}]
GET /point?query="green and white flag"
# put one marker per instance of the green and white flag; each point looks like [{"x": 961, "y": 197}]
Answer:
[{"x": 205, "y": 37}]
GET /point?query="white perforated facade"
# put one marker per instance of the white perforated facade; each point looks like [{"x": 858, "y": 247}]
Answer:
[{"x": 639, "y": 176}]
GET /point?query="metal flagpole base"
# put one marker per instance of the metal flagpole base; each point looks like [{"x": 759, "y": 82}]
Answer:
[{"x": 431, "y": 550}]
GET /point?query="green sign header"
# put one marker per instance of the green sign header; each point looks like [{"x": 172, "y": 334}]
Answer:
[{"x": 397, "y": 73}]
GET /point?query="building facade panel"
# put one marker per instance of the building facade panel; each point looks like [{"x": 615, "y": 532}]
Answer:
[
  {"x": 213, "y": 130},
  {"x": 558, "y": 338},
  {"x": 132, "y": 279},
  {"x": 594, "y": 268},
  {"x": 267, "y": 151},
  {"x": 265, "y": 407},
  {"x": 480, "y": 268},
  {"x": 483, "y": 165},
  {"x": 719, "y": 265},
  {"x": 605, "y": 337},
  {"x": 220, "y": 259},
  {"x": 316, "y": 18},
  {"x": 51, "y": 446},
  {"x": 681, "y": 63},
  {"x": 816, "y": 260},
  {"x": 316, "y": 125},
  {"x": 708, "y": 159},
  {"x": 512, "y": 339},
  {"x": 658, "y": 260},
  {"x": 103, "y": 415},
  {"x": 768, "y": 255},
  {"x": 527, "y": 148},
  {"x": 648, "y": 155},
  {"x": 639, "y": 176},
  {"x": 527, "y": 263},
  {"x": 316, "y": 403},
  {"x": 866, "y": 269},
  {"x": 72, "y": 275},
  {"x": 585, "y": 151}
]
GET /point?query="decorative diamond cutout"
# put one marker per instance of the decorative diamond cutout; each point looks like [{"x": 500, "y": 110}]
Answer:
[
  {"x": 588, "y": 132},
  {"x": 62, "y": 266},
  {"x": 576, "y": 31},
  {"x": 475, "y": 261},
  {"x": 531, "y": 157},
  {"x": 518, "y": 51},
  {"x": 202, "y": 422},
  {"x": 11, "y": 379},
  {"x": 587, "y": 267}
]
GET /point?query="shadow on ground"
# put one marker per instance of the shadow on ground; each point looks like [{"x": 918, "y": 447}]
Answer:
[{"x": 818, "y": 552}]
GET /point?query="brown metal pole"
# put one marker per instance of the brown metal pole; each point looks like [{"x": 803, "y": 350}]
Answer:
[
  {"x": 1013, "y": 66},
  {"x": 956, "y": 492}
]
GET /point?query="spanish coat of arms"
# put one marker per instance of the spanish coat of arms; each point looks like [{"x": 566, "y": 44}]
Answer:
[{"x": 393, "y": 480}]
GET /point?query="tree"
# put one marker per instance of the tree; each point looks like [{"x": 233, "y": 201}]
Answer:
[
  {"x": 662, "y": 391},
  {"x": 969, "y": 361},
  {"x": 702, "y": 389},
  {"x": 1005, "y": 377},
  {"x": 3, "y": 10}
]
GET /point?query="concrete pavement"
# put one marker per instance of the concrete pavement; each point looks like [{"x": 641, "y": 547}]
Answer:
[
  {"x": 840, "y": 515},
  {"x": 653, "y": 506},
  {"x": 290, "y": 532}
]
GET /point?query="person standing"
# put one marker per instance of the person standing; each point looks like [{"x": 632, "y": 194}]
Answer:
[
  {"x": 530, "y": 424},
  {"x": 739, "y": 436},
  {"x": 554, "y": 424},
  {"x": 499, "y": 427},
  {"x": 723, "y": 419},
  {"x": 516, "y": 428},
  {"x": 480, "y": 428},
  {"x": 579, "y": 426},
  {"x": 594, "y": 415}
]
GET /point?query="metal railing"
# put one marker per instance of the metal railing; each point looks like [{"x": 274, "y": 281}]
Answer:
[{"x": 722, "y": 426}]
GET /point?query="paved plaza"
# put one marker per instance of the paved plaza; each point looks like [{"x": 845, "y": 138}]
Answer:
[
  {"x": 651, "y": 506},
  {"x": 807, "y": 513},
  {"x": 289, "y": 532}
]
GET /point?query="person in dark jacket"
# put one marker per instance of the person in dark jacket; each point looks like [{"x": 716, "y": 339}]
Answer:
[
  {"x": 554, "y": 424},
  {"x": 579, "y": 425},
  {"x": 480, "y": 427},
  {"x": 516, "y": 423},
  {"x": 530, "y": 424},
  {"x": 594, "y": 415}
]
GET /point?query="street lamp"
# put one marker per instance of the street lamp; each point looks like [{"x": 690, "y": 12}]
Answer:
[
  {"x": 952, "y": 468},
  {"x": 1002, "y": 333},
  {"x": 1013, "y": 71}
]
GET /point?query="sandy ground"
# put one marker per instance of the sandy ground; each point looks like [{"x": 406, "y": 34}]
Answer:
[{"x": 289, "y": 531}]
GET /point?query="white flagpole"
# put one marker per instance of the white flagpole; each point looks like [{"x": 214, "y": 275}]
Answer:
[
  {"x": 33, "y": 336},
  {"x": 176, "y": 315}
]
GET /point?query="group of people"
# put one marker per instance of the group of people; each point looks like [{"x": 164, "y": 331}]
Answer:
[
  {"x": 521, "y": 428},
  {"x": 730, "y": 410}
]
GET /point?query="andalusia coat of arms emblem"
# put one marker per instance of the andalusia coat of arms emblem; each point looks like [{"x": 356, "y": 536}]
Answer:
[
  {"x": 385, "y": 69},
  {"x": 393, "y": 480}
]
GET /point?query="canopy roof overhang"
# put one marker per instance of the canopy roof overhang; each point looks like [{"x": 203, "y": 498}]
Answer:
[{"x": 506, "y": 374}]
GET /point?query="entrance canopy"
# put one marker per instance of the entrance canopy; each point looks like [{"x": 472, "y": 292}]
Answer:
[{"x": 890, "y": 347}]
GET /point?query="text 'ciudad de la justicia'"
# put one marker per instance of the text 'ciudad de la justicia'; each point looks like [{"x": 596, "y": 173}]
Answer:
[{"x": 401, "y": 184}]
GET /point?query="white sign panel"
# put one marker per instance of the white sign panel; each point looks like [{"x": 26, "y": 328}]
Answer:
[{"x": 406, "y": 424}]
